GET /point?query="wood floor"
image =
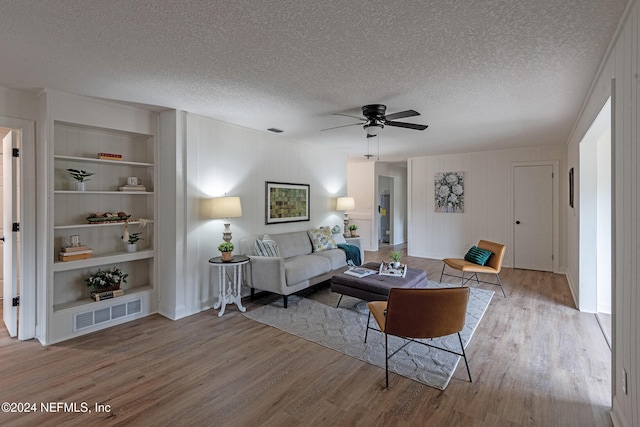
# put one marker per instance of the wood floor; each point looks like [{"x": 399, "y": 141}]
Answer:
[{"x": 534, "y": 358}]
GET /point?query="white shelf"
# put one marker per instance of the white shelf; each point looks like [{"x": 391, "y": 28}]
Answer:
[
  {"x": 110, "y": 162},
  {"x": 90, "y": 225},
  {"x": 102, "y": 192},
  {"x": 103, "y": 259},
  {"x": 91, "y": 304}
]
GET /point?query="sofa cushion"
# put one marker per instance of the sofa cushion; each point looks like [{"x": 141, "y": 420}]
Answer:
[
  {"x": 304, "y": 267},
  {"x": 321, "y": 239},
  {"x": 266, "y": 247},
  {"x": 293, "y": 244},
  {"x": 336, "y": 257}
]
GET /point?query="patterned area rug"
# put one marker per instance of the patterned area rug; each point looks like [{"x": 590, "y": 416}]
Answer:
[{"x": 317, "y": 319}]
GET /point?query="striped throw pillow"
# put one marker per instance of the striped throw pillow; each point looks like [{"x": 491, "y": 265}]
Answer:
[
  {"x": 266, "y": 247},
  {"x": 478, "y": 256}
]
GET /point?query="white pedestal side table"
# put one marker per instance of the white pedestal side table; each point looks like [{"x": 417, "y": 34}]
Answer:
[{"x": 230, "y": 285}]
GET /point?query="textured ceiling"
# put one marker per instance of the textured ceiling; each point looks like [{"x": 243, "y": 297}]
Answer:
[{"x": 484, "y": 74}]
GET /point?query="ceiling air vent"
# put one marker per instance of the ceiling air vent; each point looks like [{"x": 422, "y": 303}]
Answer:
[{"x": 275, "y": 130}]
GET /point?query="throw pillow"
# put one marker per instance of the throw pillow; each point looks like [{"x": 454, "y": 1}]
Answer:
[
  {"x": 266, "y": 247},
  {"x": 322, "y": 239},
  {"x": 477, "y": 255}
]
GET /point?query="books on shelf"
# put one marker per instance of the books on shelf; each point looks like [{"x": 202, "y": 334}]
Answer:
[
  {"x": 76, "y": 248},
  {"x": 360, "y": 272},
  {"x": 133, "y": 188},
  {"x": 109, "y": 156},
  {"x": 75, "y": 255},
  {"x": 102, "y": 295}
]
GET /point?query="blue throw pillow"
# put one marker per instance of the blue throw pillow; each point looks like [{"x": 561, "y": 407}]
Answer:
[{"x": 477, "y": 255}]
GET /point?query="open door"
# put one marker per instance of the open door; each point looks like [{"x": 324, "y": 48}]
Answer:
[{"x": 10, "y": 238}]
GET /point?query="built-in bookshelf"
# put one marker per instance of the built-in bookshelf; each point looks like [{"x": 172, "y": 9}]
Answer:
[{"x": 77, "y": 146}]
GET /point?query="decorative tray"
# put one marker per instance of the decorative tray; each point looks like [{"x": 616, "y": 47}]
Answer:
[
  {"x": 107, "y": 219},
  {"x": 388, "y": 269}
]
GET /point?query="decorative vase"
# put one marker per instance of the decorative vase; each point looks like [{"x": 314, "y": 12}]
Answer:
[
  {"x": 81, "y": 186},
  {"x": 226, "y": 256},
  {"x": 131, "y": 247},
  {"x": 353, "y": 233},
  {"x": 396, "y": 264}
]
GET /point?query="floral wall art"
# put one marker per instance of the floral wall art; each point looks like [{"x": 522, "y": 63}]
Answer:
[{"x": 449, "y": 192}]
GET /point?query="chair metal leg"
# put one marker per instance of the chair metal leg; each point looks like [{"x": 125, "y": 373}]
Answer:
[
  {"x": 366, "y": 331},
  {"x": 442, "y": 273},
  {"x": 500, "y": 283},
  {"x": 465, "y": 357},
  {"x": 462, "y": 284},
  {"x": 386, "y": 359},
  {"x": 338, "y": 304}
]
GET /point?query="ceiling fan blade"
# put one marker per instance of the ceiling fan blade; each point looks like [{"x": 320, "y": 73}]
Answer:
[
  {"x": 402, "y": 115},
  {"x": 407, "y": 125},
  {"x": 346, "y": 115},
  {"x": 343, "y": 126}
]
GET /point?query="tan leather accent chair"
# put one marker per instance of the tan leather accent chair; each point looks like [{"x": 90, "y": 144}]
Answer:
[
  {"x": 412, "y": 314},
  {"x": 493, "y": 265}
]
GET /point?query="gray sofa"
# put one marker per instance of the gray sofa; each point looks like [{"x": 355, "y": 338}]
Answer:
[{"x": 298, "y": 267}]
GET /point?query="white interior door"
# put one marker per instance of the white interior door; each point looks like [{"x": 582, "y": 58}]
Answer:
[
  {"x": 10, "y": 246},
  {"x": 533, "y": 217}
]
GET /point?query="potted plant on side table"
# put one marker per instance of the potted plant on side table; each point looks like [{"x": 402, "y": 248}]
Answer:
[
  {"x": 226, "y": 250},
  {"x": 352, "y": 230},
  {"x": 80, "y": 176}
]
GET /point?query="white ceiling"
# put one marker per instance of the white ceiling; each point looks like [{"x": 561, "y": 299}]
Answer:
[{"x": 484, "y": 74}]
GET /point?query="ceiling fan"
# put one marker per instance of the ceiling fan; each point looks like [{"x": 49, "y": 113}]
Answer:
[{"x": 375, "y": 119}]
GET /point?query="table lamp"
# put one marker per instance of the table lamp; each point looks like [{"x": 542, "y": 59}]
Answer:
[
  {"x": 345, "y": 204},
  {"x": 225, "y": 208}
]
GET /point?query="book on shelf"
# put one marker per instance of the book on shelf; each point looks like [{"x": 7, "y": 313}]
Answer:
[
  {"x": 64, "y": 256},
  {"x": 102, "y": 295},
  {"x": 133, "y": 188},
  {"x": 109, "y": 156},
  {"x": 360, "y": 272},
  {"x": 80, "y": 248}
]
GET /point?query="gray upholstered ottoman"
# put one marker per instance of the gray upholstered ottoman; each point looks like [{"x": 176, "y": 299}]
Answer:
[{"x": 376, "y": 287}]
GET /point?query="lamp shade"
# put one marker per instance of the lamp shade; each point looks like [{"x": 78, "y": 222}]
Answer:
[
  {"x": 345, "y": 204},
  {"x": 226, "y": 207}
]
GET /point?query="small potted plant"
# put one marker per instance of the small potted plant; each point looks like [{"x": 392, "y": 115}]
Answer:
[
  {"x": 352, "y": 229},
  {"x": 395, "y": 256},
  {"x": 80, "y": 176},
  {"x": 226, "y": 249},
  {"x": 131, "y": 244},
  {"x": 107, "y": 280}
]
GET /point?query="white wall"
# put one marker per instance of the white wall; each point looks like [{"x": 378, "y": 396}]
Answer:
[
  {"x": 222, "y": 158},
  {"x": 488, "y": 203},
  {"x": 621, "y": 67}
]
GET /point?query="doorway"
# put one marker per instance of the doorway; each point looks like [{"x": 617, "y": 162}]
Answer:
[
  {"x": 595, "y": 220},
  {"x": 385, "y": 209},
  {"x": 19, "y": 246}
]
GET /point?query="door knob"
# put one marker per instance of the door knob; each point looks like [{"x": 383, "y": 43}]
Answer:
[{"x": 517, "y": 222}]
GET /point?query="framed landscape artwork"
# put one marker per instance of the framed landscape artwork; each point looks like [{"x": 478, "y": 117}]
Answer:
[{"x": 286, "y": 202}]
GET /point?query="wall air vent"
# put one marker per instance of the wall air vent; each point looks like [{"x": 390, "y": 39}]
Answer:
[{"x": 104, "y": 315}]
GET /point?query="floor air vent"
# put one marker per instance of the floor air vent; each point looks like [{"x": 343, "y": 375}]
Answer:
[{"x": 100, "y": 316}]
